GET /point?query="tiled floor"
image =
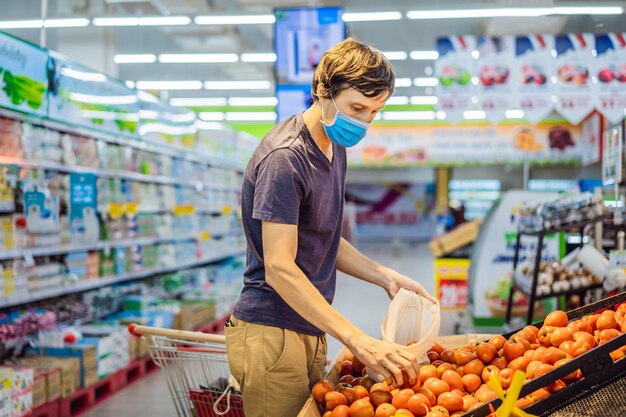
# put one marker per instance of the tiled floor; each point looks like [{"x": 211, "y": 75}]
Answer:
[{"x": 361, "y": 303}]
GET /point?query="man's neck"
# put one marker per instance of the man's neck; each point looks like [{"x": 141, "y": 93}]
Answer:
[{"x": 312, "y": 118}]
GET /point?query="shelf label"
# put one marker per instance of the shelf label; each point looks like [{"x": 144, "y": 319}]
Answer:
[
  {"x": 226, "y": 210},
  {"x": 206, "y": 235},
  {"x": 116, "y": 210},
  {"x": 184, "y": 210},
  {"x": 130, "y": 209}
]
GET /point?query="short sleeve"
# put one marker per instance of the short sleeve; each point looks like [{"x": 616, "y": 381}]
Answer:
[{"x": 279, "y": 188}]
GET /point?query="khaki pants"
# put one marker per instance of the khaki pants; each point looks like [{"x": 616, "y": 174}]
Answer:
[{"x": 275, "y": 367}]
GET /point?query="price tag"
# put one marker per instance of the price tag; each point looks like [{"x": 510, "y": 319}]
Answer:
[
  {"x": 617, "y": 259},
  {"x": 116, "y": 210},
  {"x": 130, "y": 209},
  {"x": 184, "y": 210},
  {"x": 226, "y": 210},
  {"x": 206, "y": 235}
]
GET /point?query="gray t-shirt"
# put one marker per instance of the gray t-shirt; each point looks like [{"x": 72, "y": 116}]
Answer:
[{"x": 290, "y": 180}]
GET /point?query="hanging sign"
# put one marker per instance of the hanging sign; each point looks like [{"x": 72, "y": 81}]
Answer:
[
  {"x": 572, "y": 72},
  {"x": 533, "y": 88},
  {"x": 610, "y": 71},
  {"x": 494, "y": 72},
  {"x": 453, "y": 70},
  {"x": 612, "y": 151}
]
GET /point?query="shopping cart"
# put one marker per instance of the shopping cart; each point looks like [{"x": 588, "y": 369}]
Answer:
[{"x": 196, "y": 369}]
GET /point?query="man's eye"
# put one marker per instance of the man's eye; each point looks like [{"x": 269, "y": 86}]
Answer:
[{"x": 357, "y": 108}]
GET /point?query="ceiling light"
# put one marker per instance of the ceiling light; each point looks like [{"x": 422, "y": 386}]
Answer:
[
  {"x": 371, "y": 16},
  {"x": 474, "y": 115},
  {"x": 187, "y": 117},
  {"x": 202, "y": 125},
  {"x": 148, "y": 114},
  {"x": 236, "y": 19},
  {"x": 130, "y": 84},
  {"x": 198, "y": 102},
  {"x": 146, "y": 128},
  {"x": 169, "y": 85},
  {"x": 397, "y": 101},
  {"x": 252, "y": 101},
  {"x": 441, "y": 115},
  {"x": 109, "y": 115},
  {"x": 94, "y": 99},
  {"x": 425, "y": 81},
  {"x": 424, "y": 55},
  {"x": 262, "y": 116},
  {"x": 237, "y": 85},
  {"x": 115, "y": 21},
  {"x": 409, "y": 115},
  {"x": 210, "y": 116},
  {"x": 83, "y": 75},
  {"x": 396, "y": 55},
  {"x": 21, "y": 24},
  {"x": 197, "y": 58},
  {"x": 514, "y": 114},
  {"x": 147, "y": 97},
  {"x": 66, "y": 23},
  {"x": 403, "y": 82},
  {"x": 513, "y": 12},
  {"x": 134, "y": 58},
  {"x": 261, "y": 57},
  {"x": 424, "y": 100},
  {"x": 591, "y": 10},
  {"x": 164, "y": 21}
]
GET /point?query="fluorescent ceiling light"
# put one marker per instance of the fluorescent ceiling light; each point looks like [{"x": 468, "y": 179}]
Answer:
[
  {"x": 198, "y": 102},
  {"x": 514, "y": 114},
  {"x": 202, "y": 125},
  {"x": 66, "y": 23},
  {"x": 237, "y": 85},
  {"x": 261, "y": 116},
  {"x": 592, "y": 10},
  {"x": 235, "y": 19},
  {"x": 252, "y": 101},
  {"x": 169, "y": 85},
  {"x": 147, "y": 97},
  {"x": 474, "y": 115},
  {"x": 115, "y": 21},
  {"x": 130, "y": 84},
  {"x": 93, "y": 99},
  {"x": 371, "y": 16},
  {"x": 164, "y": 21},
  {"x": 424, "y": 55},
  {"x": 83, "y": 75},
  {"x": 148, "y": 114},
  {"x": 441, "y": 115},
  {"x": 425, "y": 81},
  {"x": 396, "y": 55},
  {"x": 261, "y": 57},
  {"x": 211, "y": 116},
  {"x": 21, "y": 24},
  {"x": 397, "y": 101},
  {"x": 181, "y": 117},
  {"x": 167, "y": 129},
  {"x": 134, "y": 58},
  {"x": 403, "y": 82},
  {"x": 197, "y": 58},
  {"x": 409, "y": 115},
  {"x": 513, "y": 12},
  {"x": 424, "y": 100},
  {"x": 109, "y": 115}
]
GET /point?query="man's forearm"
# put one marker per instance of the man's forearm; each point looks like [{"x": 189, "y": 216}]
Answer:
[{"x": 352, "y": 262}]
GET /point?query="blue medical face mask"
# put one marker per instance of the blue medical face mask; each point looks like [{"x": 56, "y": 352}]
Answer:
[{"x": 344, "y": 130}]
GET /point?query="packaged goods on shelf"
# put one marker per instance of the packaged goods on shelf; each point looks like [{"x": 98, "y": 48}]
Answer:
[
  {"x": 22, "y": 382},
  {"x": 457, "y": 238},
  {"x": 561, "y": 212},
  {"x": 69, "y": 370}
]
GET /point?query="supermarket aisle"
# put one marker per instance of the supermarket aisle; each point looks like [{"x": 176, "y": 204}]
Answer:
[{"x": 363, "y": 304}]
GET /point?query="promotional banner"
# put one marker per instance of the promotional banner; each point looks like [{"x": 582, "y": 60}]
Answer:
[
  {"x": 454, "y": 69},
  {"x": 451, "y": 282},
  {"x": 495, "y": 76},
  {"x": 591, "y": 138},
  {"x": 533, "y": 67},
  {"x": 467, "y": 145},
  {"x": 391, "y": 211},
  {"x": 492, "y": 261},
  {"x": 90, "y": 99},
  {"x": 572, "y": 71},
  {"x": 23, "y": 76},
  {"x": 610, "y": 70}
]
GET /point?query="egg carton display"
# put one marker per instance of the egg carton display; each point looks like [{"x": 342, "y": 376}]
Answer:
[{"x": 561, "y": 212}]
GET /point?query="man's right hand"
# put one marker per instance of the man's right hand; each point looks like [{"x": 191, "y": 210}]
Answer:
[{"x": 387, "y": 359}]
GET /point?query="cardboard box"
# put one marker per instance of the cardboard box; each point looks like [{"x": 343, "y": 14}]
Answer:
[
  {"x": 5, "y": 402},
  {"x": 86, "y": 355},
  {"x": 22, "y": 405},
  {"x": 53, "y": 383},
  {"x": 457, "y": 238},
  {"x": 194, "y": 314},
  {"x": 90, "y": 376},
  {"x": 39, "y": 388},
  {"x": 22, "y": 380},
  {"x": 69, "y": 372}
]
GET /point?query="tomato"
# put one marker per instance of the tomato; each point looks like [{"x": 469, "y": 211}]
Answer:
[
  {"x": 497, "y": 342},
  {"x": 346, "y": 368},
  {"x": 380, "y": 386},
  {"x": 362, "y": 408},
  {"x": 530, "y": 369},
  {"x": 418, "y": 404},
  {"x": 520, "y": 363},
  {"x": 484, "y": 393},
  {"x": 427, "y": 371},
  {"x": 592, "y": 320},
  {"x": 529, "y": 354},
  {"x": 462, "y": 358},
  {"x": 581, "y": 347},
  {"x": 499, "y": 363},
  {"x": 485, "y": 352},
  {"x": 506, "y": 376},
  {"x": 488, "y": 371},
  {"x": 585, "y": 337},
  {"x": 544, "y": 335},
  {"x": 401, "y": 399},
  {"x": 568, "y": 347},
  {"x": 441, "y": 410},
  {"x": 623, "y": 326},
  {"x": 432, "y": 356},
  {"x": 380, "y": 397},
  {"x": 451, "y": 402},
  {"x": 357, "y": 366},
  {"x": 513, "y": 348},
  {"x": 347, "y": 379},
  {"x": 367, "y": 382},
  {"x": 350, "y": 395},
  {"x": 341, "y": 411},
  {"x": 436, "y": 347},
  {"x": 560, "y": 335},
  {"x": 474, "y": 367},
  {"x": 327, "y": 414},
  {"x": 544, "y": 368},
  {"x": 540, "y": 354},
  {"x": 556, "y": 386},
  {"x": 447, "y": 356},
  {"x": 606, "y": 321},
  {"x": 557, "y": 318},
  {"x": 436, "y": 386},
  {"x": 460, "y": 370},
  {"x": 554, "y": 354},
  {"x": 361, "y": 392},
  {"x": 471, "y": 382},
  {"x": 453, "y": 379},
  {"x": 607, "y": 334},
  {"x": 385, "y": 410},
  {"x": 334, "y": 399},
  {"x": 468, "y": 402},
  {"x": 320, "y": 389},
  {"x": 618, "y": 354},
  {"x": 528, "y": 334},
  {"x": 404, "y": 412},
  {"x": 443, "y": 368},
  {"x": 538, "y": 395}
]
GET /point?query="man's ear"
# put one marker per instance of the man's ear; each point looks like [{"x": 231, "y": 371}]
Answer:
[{"x": 321, "y": 91}]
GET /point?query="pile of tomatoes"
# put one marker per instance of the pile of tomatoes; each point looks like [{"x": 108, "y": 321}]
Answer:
[{"x": 455, "y": 381}]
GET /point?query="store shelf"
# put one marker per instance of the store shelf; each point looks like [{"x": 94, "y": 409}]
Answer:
[
  {"x": 108, "y": 173},
  {"x": 153, "y": 147},
  {"x": 559, "y": 293},
  {"x": 106, "y": 281},
  {"x": 103, "y": 245},
  {"x": 566, "y": 227}
]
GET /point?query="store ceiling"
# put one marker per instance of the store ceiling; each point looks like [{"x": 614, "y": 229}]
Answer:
[{"x": 96, "y": 46}]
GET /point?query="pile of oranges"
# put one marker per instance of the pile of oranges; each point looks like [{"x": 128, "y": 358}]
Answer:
[{"x": 455, "y": 381}]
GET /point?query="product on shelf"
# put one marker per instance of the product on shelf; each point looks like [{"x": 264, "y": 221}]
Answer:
[{"x": 561, "y": 212}]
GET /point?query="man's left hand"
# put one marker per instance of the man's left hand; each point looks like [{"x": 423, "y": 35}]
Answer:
[{"x": 397, "y": 281}]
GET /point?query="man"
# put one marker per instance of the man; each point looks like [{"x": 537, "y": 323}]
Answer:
[{"x": 292, "y": 205}]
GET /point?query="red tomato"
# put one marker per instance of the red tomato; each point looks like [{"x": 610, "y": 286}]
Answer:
[
  {"x": 428, "y": 394},
  {"x": 432, "y": 356},
  {"x": 556, "y": 386},
  {"x": 362, "y": 408},
  {"x": 401, "y": 399},
  {"x": 520, "y": 363},
  {"x": 474, "y": 367},
  {"x": 544, "y": 335},
  {"x": 497, "y": 342},
  {"x": 514, "y": 348},
  {"x": 553, "y": 355},
  {"x": 544, "y": 368},
  {"x": 560, "y": 335},
  {"x": 350, "y": 394},
  {"x": 499, "y": 363},
  {"x": 436, "y": 386},
  {"x": 361, "y": 392},
  {"x": 530, "y": 369},
  {"x": 606, "y": 321},
  {"x": 443, "y": 368},
  {"x": 485, "y": 352},
  {"x": 453, "y": 379},
  {"x": 451, "y": 402},
  {"x": 607, "y": 334},
  {"x": 468, "y": 402},
  {"x": 471, "y": 382},
  {"x": 488, "y": 371},
  {"x": 341, "y": 411},
  {"x": 334, "y": 399},
  {"x": 506, "y": 376},
  {"x": 427, "y": 371},
  {"x": 385, "y": 410},
  {"x": 418, "y": 404},
  {"x": 320, "y": 389},
  {"x": 437, "y": 348},
  {"x": 557, "y": 318},
  {"x": 380, "y": 397}
]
